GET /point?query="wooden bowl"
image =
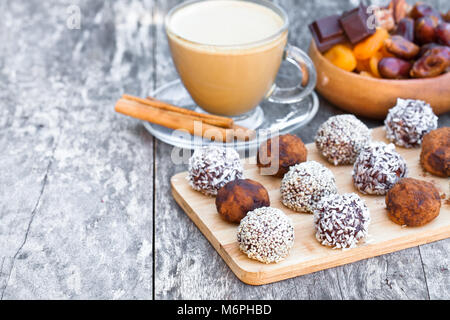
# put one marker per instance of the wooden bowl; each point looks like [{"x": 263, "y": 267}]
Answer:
[{"x": 372, "y": 97}]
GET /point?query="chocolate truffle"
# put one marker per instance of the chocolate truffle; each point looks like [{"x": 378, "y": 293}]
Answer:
[
  {"x": 435, "y": 155},
  {"x": 341, "y": 138},
  {"x": 266, "y": 234},
  {"x": 305, "y": 184},
  {"x": 211, "y": 167},
  {"x": 341, "y": 220},
  {"x": 240, "y": 196},
  {"x": 413, "y": 202},
  {"x": 279, "y": 153},
  {"x": 408, "y": 122},
  {"x": 377, "y": 168}
]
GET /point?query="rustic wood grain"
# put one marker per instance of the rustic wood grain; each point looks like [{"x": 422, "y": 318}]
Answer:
[
  {"x": 187, "y": 266},
  {"x": 76, "y": 179}
]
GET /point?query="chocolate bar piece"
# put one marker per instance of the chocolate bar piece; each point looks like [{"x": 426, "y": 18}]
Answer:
[
  {"x": 327, "y": 32},
  {"x": 355, "y": 24}
]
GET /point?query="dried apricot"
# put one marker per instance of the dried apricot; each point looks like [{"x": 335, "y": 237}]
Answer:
[
  {"x": 342, "y": 56},
  {"x": 368, "y": 47},
  {"x": 362, "y": 65},
  {"x": 373, "y": 62}
]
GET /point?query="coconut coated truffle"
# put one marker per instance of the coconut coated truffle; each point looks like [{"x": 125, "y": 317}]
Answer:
[
  {"x": 266, "y": 234},
  {"x": 377, "y": 168},
  {"x": 341, "y": 220},
  {"x": 305, "y": 184},
  {"x": 290, "y": 151},
  {"x": 211, "y": 167},
  {"x": 240, "y": 196},
  {"x": 408, "y": 122},
  {"x": 341, "y": 138}
]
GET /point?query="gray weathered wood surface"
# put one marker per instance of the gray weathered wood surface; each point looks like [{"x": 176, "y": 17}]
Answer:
[{"x": 85, "y": 204}]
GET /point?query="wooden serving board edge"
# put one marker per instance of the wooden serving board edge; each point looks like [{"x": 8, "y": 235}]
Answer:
[{"x": 352, "y": 255}]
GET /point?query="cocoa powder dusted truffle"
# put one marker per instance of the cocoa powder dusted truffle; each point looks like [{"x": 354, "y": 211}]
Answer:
[
  {"x": 435, "y": 155},
  {"x": 305, "y": 184},
  {"x": 211, "y": 167},
  {"x": 408, "y": 122},
  {"x": 266, "y": 234},
  {"x": 341, "y": 138},
  {"x": 413, "y": 202},
  {"x": 279, "y": 153},
  {"x": 377, "y": 168},
  {"x": 341, "y": 220},
  {"x": 240, "y": 196}
]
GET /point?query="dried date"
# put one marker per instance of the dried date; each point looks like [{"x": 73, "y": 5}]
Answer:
[
  {"x": 405, "y": 28},
  {"x": 394, "y": 68},
  {"x": 401, "y": 48},
  {"x": 443, "y": 33},
  {"x": 421, "y": 10},
  {"x": 425, "y": 30},
  {"x": 426, "y": 47},
  {"x": 434, "y": 62},
  {"x": 400, "y": 9},
  {"x": 446, "y": 16}
]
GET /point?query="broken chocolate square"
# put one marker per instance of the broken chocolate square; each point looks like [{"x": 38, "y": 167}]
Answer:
[
  {"x": 356, "y": 24},
  {"x": 327, "y": 32}
]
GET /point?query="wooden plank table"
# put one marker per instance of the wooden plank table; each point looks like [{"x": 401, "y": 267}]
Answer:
[{"x": 86, "y": 210}]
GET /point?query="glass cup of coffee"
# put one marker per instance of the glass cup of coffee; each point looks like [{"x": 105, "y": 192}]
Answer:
[{"x": 228, "y": 53}]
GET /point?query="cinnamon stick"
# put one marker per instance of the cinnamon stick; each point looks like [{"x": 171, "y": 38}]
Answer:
[
  {"x": 206, "y": 118},
  {"x": 181, "y": 121},
  {"x": 239, "y": 130}
]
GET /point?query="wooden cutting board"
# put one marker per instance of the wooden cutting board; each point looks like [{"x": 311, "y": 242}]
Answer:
[{"x": 307, "y": 255}]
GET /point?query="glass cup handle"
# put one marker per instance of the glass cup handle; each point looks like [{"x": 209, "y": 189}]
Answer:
[{"x": 304, "y": 64}]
